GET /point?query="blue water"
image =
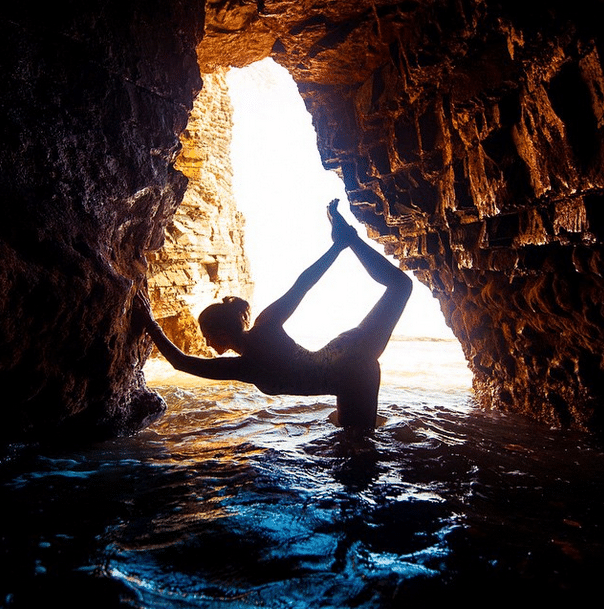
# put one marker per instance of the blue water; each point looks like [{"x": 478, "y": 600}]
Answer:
[{"x": 235, "y": 499}]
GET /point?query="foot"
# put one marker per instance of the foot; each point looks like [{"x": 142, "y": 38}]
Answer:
[
  {"x": 332, "y": 209},
  {"x": 341, "y": 231}
]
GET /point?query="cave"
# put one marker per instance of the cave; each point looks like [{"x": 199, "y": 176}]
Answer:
[{"x": 468, "y": 135}]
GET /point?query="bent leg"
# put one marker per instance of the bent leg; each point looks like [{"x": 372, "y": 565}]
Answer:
[{"x": 378, "y": 325}]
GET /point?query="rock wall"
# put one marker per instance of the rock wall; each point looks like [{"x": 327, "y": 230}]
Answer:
[
  {"x": 94, "y": 96},
  {"x": 468, "y": 133},
  {"x": 469, "y": 137},
  {"x": 203, "y": 258}
]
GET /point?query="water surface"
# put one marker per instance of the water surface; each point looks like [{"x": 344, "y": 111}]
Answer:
[{"x": 236, "y": 499}]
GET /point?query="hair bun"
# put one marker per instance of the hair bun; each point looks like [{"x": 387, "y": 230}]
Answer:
[
  {"x": 241, "y": 306},
  {"x": 234, "y": 300}
]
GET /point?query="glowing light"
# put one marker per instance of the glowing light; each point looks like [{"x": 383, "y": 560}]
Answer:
[{"x": 283, "y": 190}]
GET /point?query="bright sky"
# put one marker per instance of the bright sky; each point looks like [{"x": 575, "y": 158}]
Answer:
[{"x": 283, "y": 190}]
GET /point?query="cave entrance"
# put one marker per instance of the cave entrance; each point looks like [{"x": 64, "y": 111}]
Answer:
[
  {"x": 274, "y": 178},
  {"x": 282, "y": 189}
]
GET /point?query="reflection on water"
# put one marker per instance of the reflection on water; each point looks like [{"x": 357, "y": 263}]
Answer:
[{"x": 236, "y": 499}]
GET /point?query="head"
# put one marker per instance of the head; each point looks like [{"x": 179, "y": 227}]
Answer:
[{"x": 223, "y": 323}]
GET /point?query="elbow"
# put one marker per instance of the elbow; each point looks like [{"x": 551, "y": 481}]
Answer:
[{"x": 178, "y": 365}]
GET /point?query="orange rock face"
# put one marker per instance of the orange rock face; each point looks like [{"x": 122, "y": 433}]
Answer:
[{"x": 203, "y": 258}]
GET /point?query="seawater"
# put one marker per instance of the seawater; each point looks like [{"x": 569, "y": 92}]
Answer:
[{"x": 235, "y": 500}]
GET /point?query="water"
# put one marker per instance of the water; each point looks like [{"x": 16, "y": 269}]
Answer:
[{"x": 237, "y": 500}]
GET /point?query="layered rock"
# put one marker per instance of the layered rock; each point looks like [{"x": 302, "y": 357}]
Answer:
[
  {"x": 469, "y": 136},
  {"x": 203, "y": 257}
]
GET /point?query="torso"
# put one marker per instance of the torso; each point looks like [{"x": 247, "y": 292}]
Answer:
[{"x": 279, "y": 365}]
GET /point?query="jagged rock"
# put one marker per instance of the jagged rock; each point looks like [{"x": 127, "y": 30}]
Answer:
[
  {"x": 203, "y": 257},
  {"x": 468, "y": 134}
]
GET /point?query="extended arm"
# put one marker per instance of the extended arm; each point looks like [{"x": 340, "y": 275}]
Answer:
[
  {"x": 219, "y": 368},
  {"x": 280, "y": 311}
]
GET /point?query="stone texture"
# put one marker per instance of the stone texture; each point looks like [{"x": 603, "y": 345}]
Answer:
[
  {"x": 203, "y": 257},
  {"x": 468, "y": 133},
  {"x": 93, "y": 99}
]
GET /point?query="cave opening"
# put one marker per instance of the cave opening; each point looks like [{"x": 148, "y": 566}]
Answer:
[
  {"x": 255, "y": 216},
  {"x": 282, "y": 189}
]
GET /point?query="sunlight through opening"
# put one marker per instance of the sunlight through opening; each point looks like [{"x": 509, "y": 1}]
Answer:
[{"x": 282, "y": 189}]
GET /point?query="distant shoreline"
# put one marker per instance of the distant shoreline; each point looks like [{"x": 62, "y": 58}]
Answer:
[{"x": 431, "y": 339}]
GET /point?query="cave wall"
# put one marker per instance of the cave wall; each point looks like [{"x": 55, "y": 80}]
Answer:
[
  {"x": 468, "y": 134},
  {"x": 94, "y": 96},
  {"x": 469, "y": 137},
  {"x": 203, "y": 258}
]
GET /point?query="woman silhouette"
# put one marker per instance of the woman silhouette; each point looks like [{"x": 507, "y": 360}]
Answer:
[{"x": 346, "y": 367}]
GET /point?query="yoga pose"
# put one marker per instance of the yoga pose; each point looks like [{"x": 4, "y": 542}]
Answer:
[{"x": 346, "y": 367}]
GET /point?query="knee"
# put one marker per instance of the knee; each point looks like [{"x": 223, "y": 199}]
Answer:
[{"x": 402, "y": 284}]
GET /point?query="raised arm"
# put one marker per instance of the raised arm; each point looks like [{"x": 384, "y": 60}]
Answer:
[
  {"x": 219, "y": 368},
  {"x": 281, "y": 310}
]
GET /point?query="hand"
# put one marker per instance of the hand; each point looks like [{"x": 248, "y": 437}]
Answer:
[{"x": 142, "y": 309}]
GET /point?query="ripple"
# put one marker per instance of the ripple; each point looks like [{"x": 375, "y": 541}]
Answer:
[{"x": 236, "y": 500}]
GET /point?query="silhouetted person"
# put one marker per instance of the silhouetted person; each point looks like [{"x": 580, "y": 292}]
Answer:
[{"x": 346, "y": 367}]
